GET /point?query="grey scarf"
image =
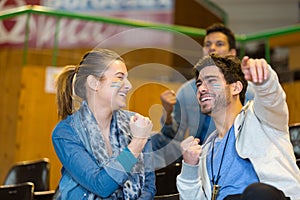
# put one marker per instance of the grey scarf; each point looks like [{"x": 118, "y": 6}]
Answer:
[{"x": 120, "y": 136}]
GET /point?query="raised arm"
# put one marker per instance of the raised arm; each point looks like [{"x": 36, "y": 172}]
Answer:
[{"x": 270, "y": 99}]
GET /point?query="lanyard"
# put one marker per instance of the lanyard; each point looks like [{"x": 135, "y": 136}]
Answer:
[{"x": 215, "y": 180}]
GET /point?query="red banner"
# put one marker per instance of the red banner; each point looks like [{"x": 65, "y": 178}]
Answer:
[{"x": 79, "y": 33}]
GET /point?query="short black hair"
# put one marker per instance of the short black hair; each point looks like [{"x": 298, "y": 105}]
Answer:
[{"x": 219, "y": 27}]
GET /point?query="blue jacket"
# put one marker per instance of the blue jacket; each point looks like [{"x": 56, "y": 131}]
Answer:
[{"x": 81, "y": 174}]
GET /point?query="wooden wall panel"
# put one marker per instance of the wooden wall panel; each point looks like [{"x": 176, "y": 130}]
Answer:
[
  {"x": 36, "y": 120},
  {"x": 292, "y": 91},
  {"x": 10, "y": 82},
  {"x": 11, "y": 64}
]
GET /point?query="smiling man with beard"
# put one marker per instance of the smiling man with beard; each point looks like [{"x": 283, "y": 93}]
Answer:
[{"x": 250, "y": 155}]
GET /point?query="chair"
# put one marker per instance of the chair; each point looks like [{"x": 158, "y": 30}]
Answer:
[
  {"x": 167, "y": 197},
  {"x": 166, "y": 179},
  {"x": 295, "y": 139},
  {"x": 43, "y": 195},
  {"x": 36, "y": 171},
  {"x": 22, "y": 191},
  {"x": 298, "y": 162}
]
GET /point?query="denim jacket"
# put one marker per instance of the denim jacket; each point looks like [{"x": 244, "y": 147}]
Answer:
[{"x": 81, "y": 172}]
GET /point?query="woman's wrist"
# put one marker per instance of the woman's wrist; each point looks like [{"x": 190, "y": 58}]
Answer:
[{"x": 137, "y": 145}]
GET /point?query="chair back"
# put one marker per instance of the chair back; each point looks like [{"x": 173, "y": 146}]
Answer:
[
  {"x": 298, "y": 162},
  {"x": 37, "y": 172},
  {"x": 44, "y": 195},
  {"x": 295, "y": 138},
  {"x": 167, "y": 197},
  {"x": 166, "y": 179},
  {"x": 22, "y": 191}
]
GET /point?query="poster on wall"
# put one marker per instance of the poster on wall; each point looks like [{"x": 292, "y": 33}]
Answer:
[
  {"x": 51, "y": 75},
  {"x": 80, "y": 33}
]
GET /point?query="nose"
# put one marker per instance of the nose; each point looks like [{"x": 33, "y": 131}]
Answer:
[
  {"x": 128, "y": 85},
  {"x": 202, "y": 88},
  {"x": 212, "y": 48},
  {"x": 209, "y": 49}
]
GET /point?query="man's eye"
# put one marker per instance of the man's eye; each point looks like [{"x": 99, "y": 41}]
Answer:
[
  {"x": 207, "y": 44},
  {"x": 211, "y": 80},
  {"x": 220, "y": 44}
]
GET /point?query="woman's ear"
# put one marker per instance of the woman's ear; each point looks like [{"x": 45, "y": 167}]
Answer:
[{"x": 93, "y": 82}]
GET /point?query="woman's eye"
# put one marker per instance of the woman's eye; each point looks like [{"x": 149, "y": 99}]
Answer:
[{"x": 120, "y": 78}]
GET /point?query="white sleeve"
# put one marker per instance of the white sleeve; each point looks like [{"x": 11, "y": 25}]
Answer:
[
  {"x": 189, "y": 183},
  {"x": 270, "y": 102}
]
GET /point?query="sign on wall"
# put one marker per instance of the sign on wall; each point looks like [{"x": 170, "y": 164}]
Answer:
[{"x": 78, "y": 33}]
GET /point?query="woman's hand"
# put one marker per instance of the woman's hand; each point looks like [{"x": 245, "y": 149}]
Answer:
[{"x": 141, "y": 128}]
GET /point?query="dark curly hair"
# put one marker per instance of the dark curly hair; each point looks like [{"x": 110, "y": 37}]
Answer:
[{"x": 229, "y": 65}]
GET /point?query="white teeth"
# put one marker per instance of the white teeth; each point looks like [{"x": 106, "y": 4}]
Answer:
[
  {"x": 122, "y": 94},
  {"x": 205, "y": 98}
]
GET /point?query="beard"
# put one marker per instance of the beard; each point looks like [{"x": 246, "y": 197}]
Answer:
[{"x": 220, "y": 101}]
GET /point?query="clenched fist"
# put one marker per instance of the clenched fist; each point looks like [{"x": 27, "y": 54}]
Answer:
[
  {"x": 191, "y": 150},
  {"x": 140, "y": 126},
  {"x": 168, "y": 100}
]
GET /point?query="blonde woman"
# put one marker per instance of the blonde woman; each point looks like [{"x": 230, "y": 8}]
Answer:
[{"x": 105, "y": 151}]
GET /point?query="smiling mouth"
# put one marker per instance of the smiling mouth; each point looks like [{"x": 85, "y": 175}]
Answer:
[
  {"x": 206, "y": 98},
  {"x": 123, "y": 94}
]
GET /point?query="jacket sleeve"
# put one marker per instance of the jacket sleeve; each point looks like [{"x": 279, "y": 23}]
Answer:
[
  {"x": 270, "y": 102},
  {"x": 179, "y": 124},
  {"x": 83, "y": 168},
  {"x": 189, "y": 183},
  {"x": 170, "y": 130},
  {"x": 149, "y": 189}
]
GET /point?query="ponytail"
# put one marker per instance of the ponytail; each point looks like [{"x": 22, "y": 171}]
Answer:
[{"x": 64, "y": 91}]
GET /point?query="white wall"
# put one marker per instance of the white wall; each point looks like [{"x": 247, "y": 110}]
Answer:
[{"x": 250, "y": 16}]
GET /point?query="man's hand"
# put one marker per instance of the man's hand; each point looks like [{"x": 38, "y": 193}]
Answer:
[
  {"x": 168, "y": 99},
  {"x": 191, "y": 150},
  {"x": 255, "y": 70}
]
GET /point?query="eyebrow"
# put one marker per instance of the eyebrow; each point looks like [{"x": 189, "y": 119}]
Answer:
[
  {"x": 205, "y": 78},
  {"x": 120, "y": 73},
  {"x": 208, "y": 77}
]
